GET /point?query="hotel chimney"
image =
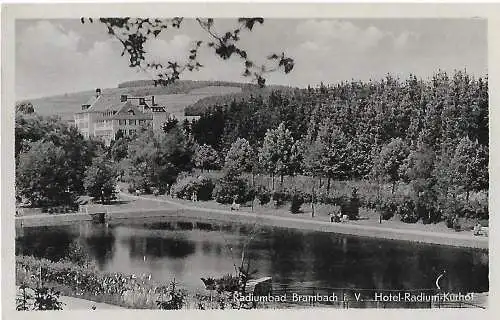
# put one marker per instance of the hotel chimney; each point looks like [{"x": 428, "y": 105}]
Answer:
[{"x": 97, "y": 92}]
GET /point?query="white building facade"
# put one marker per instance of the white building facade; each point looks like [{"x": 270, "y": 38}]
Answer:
[{"x": 104, "y": 115}]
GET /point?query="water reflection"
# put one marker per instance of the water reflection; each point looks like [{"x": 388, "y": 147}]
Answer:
[
  {"x": 157, "y": 247},
  {"x": 189, "y": 250},
  {"x": 48, "y": 242}
]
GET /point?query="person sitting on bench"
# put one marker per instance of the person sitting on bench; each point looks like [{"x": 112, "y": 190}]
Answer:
[
  {"x": 235, "y": 206},
  {"x": 477, "y": 229}
]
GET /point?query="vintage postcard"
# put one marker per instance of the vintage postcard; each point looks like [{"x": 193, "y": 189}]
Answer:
[{"x": 283, "y": 157}]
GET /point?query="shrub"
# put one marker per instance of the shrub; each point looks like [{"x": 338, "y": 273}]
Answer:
[
  {"x": 46, "y": 299},
  {"x": 387, "y": 214},
  {"x": 116, "y": 287},
  {"x": 263, "y": 194},
  {"x": 131, "y": 189},
  {"x": 201, "y": 186},
  {"x": 476, "y": 209},
  {"x": 280, "y": 197},
  {"x": 350, "y": 206},
  {"x": 407, "y": 211},
  {"x": 77, "y": 254},
  {"x": 296, "y": 203},
  {"x": 176, "y": 299},
  {"x": 230, "y": 188}
]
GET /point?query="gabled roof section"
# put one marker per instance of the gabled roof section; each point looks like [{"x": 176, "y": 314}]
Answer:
[
  {"x": 130, "y": 111},
  {"x": 91, "y": 100},
  {"x": 106, "y": 103}
]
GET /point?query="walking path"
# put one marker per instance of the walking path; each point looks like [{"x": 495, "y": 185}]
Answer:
[
  {"x": 375, "y": 231},
  {"x": 72, "y": 303},
  {"x": 176, "y": 209}
]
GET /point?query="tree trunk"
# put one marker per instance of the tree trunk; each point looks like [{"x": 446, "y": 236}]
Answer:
[
  {"x": 328, "y": 185},
  {"x": 393, "y": 187},
  {"x": 312, "y": 199},
  {"x": 272, "y": 178},
  {"x": 467, "y": 196},
  {"x": 281, "y": 182}
]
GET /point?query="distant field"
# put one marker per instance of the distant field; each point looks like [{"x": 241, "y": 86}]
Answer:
[
  {"x": 67, "y": 104},
  {"x": 176, "y": 103}
]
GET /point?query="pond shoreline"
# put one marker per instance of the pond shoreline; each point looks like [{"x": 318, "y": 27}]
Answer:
[{"x": 180, "y": 211}]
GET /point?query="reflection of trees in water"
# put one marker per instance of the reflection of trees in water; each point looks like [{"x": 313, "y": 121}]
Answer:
[
  {"x": 161, "y": 226},
  {"x": 287, "y": 255},
  {"x": 101, "y": 245},
  {"x": 45, "y": 242},
  {"x": 156, "y": 247},
  {"x": 286, "y": 252},
  {"x": 464, "y": 271},
  {"x": 339, "y": 261},
  {"x": 214, "y": 248}
]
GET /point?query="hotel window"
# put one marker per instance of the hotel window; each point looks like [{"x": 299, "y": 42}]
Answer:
[{"x": 131, "y": 132}]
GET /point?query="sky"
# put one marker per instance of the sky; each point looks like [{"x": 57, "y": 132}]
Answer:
[{"x": 61, "y": 56}]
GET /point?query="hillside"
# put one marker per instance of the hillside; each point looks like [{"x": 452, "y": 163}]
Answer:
[
  {"x": 201, "y": 105},
  {"x": 176, "y": 97}
]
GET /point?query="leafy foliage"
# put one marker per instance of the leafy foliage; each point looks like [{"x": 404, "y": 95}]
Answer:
[
  {"x": 133, "y": 33},
  {"x": 231, "y": 188},
  {"x": 296, "y": 203},
  {"x": 469, "y": 166},
  {"x": 389, "y": 130},
  {"x": 100, "y": 179},
  {"x": 155, "y": 159},
  {"x": 77, "y": 254},
  {"x": 38, "y": 298},
  {"x": 279, "y": 152},
  {"x": 387, "y": 163},
  {"x": 41, "y": 174},
  {"x": 46, "y": 299},
  {"x": 112, "y": 287},
  {"x": 206, "y": 157},
  {"x": 240, "y": 157},
  {"x": 176, "y": 298},
  {"x": 201, "y": 186},
  {"x": 25, "y": 107},
  {"x": 51, "y": 158}
]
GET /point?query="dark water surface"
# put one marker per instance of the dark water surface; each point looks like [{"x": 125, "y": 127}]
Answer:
[{"x": 188, "y": 251}]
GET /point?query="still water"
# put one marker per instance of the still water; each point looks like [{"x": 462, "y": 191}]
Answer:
[{"x": 187, "y": 251}]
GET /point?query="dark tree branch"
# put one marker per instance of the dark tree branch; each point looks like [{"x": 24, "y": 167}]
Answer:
[{"x": 133, "y": 33}]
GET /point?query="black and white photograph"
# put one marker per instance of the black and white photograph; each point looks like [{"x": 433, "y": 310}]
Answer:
[{"x": 249, "y": 162}]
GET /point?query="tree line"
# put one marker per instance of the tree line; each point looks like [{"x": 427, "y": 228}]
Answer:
[
  {"x": 431, "y": 135},
  {"x": 428, "y": 135}
]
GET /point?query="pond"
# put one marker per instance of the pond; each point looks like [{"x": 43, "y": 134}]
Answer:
[{"x": 186, "y": 251}]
